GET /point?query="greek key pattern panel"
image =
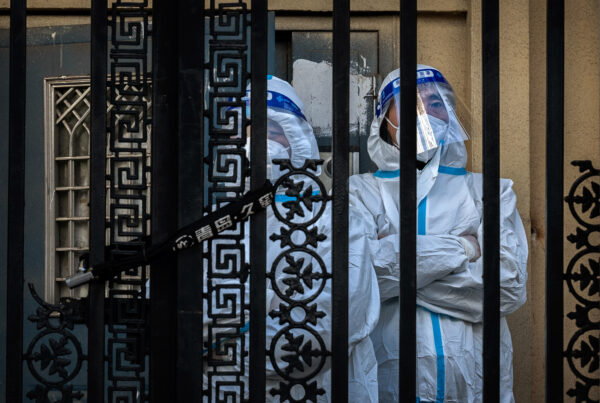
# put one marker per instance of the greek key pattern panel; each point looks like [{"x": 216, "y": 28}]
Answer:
[
  {"x": 226, "y": 290},
  {"x": 128, "y": 175},
  {"x": 583, "y": 281},
  {"x": 299, "y": 275}
]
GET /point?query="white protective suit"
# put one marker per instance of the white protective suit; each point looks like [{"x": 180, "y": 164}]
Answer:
[
  {"x": 364, "y": 300},
  {"x": 449, "y": 286}
]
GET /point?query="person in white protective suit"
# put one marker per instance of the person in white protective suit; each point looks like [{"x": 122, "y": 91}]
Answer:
[
  {"x": 449, "y": 235},
  {"x": 290, "y": 137}
]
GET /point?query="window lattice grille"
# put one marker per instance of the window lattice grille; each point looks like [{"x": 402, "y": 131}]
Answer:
[{"x": 67, "y": 110}]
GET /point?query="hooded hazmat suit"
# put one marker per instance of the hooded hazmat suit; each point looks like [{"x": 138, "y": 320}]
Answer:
[
  {"x": 286, "y": 117},
  {"x": 449, "y": 286}
]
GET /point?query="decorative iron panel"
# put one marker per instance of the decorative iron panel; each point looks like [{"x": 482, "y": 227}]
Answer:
[
  {"x": 55, "y": 355},
  {"x": 298, "y": 275},
  {"x": 227, "y": 294},
  {"x": 583, "y": 281},
  {"x": 128, "y": 176}
]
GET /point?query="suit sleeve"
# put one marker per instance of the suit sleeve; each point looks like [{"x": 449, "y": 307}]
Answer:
[
  {"x": 460, "y": 293},
  {"x": 437, "y": 255}
]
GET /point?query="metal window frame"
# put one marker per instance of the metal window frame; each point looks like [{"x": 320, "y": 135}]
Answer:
[{"x": 51, "y": 291}]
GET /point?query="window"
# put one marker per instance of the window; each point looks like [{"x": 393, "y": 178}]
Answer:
[{"x": 67, "y": 133}]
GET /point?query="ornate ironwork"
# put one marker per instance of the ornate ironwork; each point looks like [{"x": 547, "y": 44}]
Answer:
[
  {"x": 54, "y": 356},
  {"x": 583, "y": 280},
  {"x": 129, "y": 124},
  {"x": 298, "y": 275},
  {"x": 227, "y": 293}
]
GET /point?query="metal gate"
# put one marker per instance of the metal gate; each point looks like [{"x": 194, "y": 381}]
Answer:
[{"x": 130, "y": 348}]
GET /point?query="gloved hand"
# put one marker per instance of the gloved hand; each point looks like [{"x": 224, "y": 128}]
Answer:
[{"x": 471, "y": 246}]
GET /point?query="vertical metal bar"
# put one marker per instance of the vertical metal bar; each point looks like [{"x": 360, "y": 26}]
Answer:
[
  {"x": 16, "y": 201},
  {"x": 491, "y": 205},
  {"x": 555, "y": 37},
  {"x": 163, "y": 301},
  {"x": 99, "y": 31},
  {"x": 408, "y": 200},
  {"x": 258, "y": 223},
  {"x": 191, "y": 197},
  {"x": 339, "y": 216}
]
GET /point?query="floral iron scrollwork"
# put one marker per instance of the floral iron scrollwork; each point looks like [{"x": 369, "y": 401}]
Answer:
[
  {"x": 583, "y": 281},
  {"x": 298, "y": 276},
  {"x": 55, "y": 355}
]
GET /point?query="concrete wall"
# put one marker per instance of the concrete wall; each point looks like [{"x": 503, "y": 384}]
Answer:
[{"x": 449, "y": 38}]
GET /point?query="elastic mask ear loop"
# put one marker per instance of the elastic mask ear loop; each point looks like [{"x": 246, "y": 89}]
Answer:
[
  {"x": 397, "y": 128},
  {"x": 390, "y": 122}
]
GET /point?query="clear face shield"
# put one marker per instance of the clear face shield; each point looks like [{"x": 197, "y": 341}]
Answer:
[{"x": 437, "y": 122}]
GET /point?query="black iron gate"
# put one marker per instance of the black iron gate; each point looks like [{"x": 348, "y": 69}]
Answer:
[{"x": 141, "y": 349}]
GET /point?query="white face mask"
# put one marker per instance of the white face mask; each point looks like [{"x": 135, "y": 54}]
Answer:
[
  {"x": 440, "y": 131},
  {"x": 275, "y": 150},
  {"x": 440, "y": 128}
]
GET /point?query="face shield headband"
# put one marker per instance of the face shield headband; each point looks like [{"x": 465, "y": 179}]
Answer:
[
  {"x": 288, "y": 138},
  {"x": 437, "y": 122},
  {"x": 277, "y": 101}
]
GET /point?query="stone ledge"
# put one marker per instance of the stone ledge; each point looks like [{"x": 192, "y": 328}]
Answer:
[{"x": 444, "y": 6}]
